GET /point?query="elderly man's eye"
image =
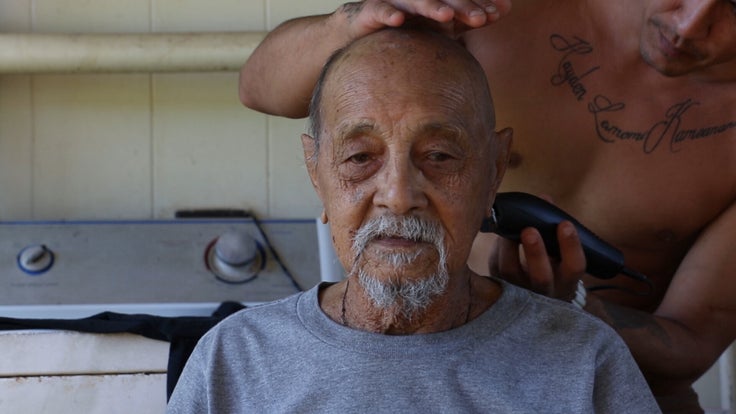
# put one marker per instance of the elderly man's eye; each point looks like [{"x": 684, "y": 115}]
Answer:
[
  {"x": 439, "y": 156},
  {"x": 357, "y": 167},
  {"x": 443, "y": 162},
  {"x": 361, "y": 158}
]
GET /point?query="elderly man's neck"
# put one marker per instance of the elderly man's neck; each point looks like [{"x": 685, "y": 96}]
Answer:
[{"x": 465, "y": 299}]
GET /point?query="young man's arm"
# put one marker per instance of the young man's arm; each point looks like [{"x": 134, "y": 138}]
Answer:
[
  {"x": 279, "y": 76},
  {"x": 696, "y": 321},
  {"x": 684, "y": 336}
]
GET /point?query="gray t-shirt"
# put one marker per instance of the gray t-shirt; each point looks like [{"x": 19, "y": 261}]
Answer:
[{"x": 526, "y": 354}]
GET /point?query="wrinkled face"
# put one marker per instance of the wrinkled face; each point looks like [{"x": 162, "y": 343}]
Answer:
[
  {"x": 408, "y": 144},
  {"x": 686, "y": 36}
]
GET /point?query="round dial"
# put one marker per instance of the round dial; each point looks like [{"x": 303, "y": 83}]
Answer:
[
  {"x": 235, "y": 257},
  {"x": 35, "y": 259}
]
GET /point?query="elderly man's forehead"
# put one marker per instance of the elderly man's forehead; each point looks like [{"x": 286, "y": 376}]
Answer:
[{"x": 351, "y": 129}]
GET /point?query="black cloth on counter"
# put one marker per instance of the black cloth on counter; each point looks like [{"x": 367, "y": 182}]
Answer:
[{"x": 182, "y": 332}]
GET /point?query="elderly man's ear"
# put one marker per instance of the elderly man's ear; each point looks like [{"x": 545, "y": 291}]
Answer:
[
  {"x": 502, "y": 152},
  {"x": 504, "y": 138},
  {"x": 310, "y": 159}
]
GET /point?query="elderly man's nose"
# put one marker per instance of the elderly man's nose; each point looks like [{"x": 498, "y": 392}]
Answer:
[
  {"x": 696, "y": 19},
  {"x": 399, "y": 189}
]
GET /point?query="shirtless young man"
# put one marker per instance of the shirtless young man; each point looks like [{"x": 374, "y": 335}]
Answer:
[{"x": 624, "y": 114}]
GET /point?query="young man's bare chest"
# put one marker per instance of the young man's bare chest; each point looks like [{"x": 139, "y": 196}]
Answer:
[{"x": 645, "y": 160}]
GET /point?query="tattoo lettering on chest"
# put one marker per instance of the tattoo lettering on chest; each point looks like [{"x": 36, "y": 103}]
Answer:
[
  {"x": 666, "y": 131},
  {"x": 566, "y": 73}
]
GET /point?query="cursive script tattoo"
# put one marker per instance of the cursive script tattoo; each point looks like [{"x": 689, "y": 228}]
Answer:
[
  {"x": 566, "y": 73},
  {"x": 668, "y": 129}
]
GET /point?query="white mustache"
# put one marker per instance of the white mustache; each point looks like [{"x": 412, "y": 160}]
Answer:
[{"x": 407, "y": 227}]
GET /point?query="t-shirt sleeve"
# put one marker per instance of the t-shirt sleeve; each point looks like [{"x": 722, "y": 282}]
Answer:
[{"x": 620, "y": 386}]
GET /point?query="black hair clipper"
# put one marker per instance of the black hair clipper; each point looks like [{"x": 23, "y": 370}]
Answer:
[{"x": 514, "y": 211}]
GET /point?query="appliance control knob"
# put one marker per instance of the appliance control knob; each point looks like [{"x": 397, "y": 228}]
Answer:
[
  {"x": 35, "y": 259},
  {"x": 235, "y": 257},
  {"x": 236, "y": 248}
]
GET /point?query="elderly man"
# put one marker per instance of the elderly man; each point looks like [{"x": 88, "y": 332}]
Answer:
[
  {"x": 399, "y": 156},
  {"x": 624, "y": 114}
]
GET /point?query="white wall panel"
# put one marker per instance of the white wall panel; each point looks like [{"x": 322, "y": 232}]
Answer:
[
  {"x": 282, "y": 10},
  {"x": 16, "y": 142},
  {"x": 92, "y": 154},
  {"x": 99, "y": 16},
  {"x": 290, "y": 191},
  {"x": 212, "y": 15},
  {"x": 210, "y": 151},
  {"x": 15, "y": 16}
]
